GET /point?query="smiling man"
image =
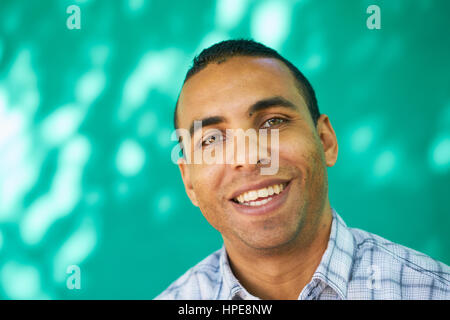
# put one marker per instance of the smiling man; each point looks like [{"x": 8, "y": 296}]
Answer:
[{"x": 282, "y": 238}]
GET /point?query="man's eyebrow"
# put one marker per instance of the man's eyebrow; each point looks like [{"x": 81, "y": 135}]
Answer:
[
  {"x": 255, "y": 107},
  {"x": 207, "y": 122},
  {"x": 271, "y": 102}
]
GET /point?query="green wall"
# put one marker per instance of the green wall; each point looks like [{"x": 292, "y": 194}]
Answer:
[{"x": 86, "y": 117}]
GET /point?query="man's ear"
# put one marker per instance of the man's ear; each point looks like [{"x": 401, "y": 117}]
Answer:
[
  {"x": 328, "y": 138},
  {"x": 185, "y": 175}
]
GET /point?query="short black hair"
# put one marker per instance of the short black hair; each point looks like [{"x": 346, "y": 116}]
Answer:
[{"x": 221, "y": 51}]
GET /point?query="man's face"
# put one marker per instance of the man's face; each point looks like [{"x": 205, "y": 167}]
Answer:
[{"x": 226, "y": 91}]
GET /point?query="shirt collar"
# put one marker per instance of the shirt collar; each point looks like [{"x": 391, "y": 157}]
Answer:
[
  {"x": 336, "y": 264},
  {"x": 333, "y": 271},
  {"x": 230, "y": 288}
]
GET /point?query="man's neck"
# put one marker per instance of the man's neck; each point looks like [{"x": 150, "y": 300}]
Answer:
[{"x": 282, "y": 275}]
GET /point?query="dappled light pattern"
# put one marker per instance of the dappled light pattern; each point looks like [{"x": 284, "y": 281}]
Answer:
[{"x": 86, "y": 176}]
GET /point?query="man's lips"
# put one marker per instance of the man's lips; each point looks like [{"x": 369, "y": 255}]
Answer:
[
  {"x": 256, "y": 186},
  {"x": 276, "y": 201}
]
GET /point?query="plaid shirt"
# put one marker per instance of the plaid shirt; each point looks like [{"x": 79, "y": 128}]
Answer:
[{"x": 356, "y": 265}]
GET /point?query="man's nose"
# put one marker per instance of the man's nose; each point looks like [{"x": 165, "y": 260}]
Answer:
[{"x": 246, "y": 154}]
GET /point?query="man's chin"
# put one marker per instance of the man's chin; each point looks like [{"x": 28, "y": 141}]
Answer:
[{"x": 269, "y": 244}]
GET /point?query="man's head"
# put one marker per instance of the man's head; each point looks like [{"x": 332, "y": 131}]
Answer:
[
  {"x": 241, "y": 89},
  {"x": 224, "y": 50}
]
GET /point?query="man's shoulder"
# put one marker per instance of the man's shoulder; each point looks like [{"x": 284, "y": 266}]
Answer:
[
  {"x": 197, "y": 283},
  {"x": 398, "y": 265}
]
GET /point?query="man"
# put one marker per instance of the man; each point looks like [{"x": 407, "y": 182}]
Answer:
[{"x": 282, "y": 239}]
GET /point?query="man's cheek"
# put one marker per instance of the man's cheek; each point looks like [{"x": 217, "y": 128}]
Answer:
[
  {"x": 295, "y": 148},
  {"x": 212, "y": 212},
  {"x": 206, "y": 192}
]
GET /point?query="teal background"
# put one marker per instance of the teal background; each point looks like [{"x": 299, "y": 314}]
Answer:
[{"x": 86, "y": 117}]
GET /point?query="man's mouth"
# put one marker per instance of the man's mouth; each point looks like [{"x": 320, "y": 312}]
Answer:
[{"x": 259, "y": 197}]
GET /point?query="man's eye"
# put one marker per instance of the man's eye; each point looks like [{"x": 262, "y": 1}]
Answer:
[
  {"x": 273, "y": 122},
  {"x": 211, "y": 139}
]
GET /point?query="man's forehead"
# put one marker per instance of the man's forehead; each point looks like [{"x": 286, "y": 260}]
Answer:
[
  {"x": 238, "y": 81},
  {"x": 235, "y": 71}
]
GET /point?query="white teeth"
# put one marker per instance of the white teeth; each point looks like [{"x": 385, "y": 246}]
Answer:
[
  {"x": 249, "y": 197},
  {"x": 257, "y": 203},
  {"x": 276, "y": 189},
  {"x": 262, "y": 193}
]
